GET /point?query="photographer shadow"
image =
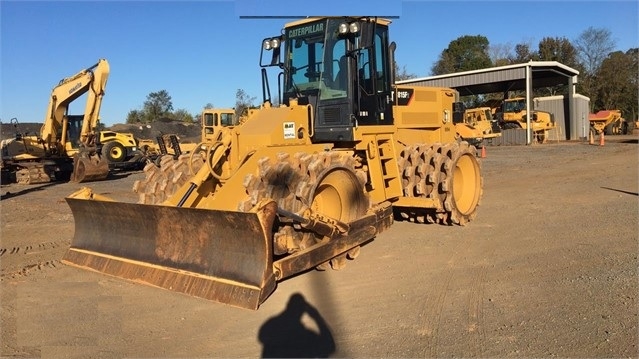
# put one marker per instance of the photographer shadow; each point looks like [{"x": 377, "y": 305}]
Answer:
[{"x": 286, "y": 336}]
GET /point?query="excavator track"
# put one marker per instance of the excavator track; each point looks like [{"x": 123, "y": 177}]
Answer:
[
  {"x": 295, "y": 183},
  {"x": 448, "y": 173}
]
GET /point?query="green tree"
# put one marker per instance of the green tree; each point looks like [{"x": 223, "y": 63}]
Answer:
[
  {"x": 134, "y": 116},
  {"x": 242, "y": 103},
  {"x": 558, "y": 49},
  {"x": 182, "y": 115},
  {"x": 158, "y": 104},
  {"x": 616, "y": 83},
  {"x": 523, "y": 54},
  {"x": 463, "y": 54}
]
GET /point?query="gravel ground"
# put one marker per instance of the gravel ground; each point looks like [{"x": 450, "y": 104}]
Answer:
[{"x": 547, "y": 269}]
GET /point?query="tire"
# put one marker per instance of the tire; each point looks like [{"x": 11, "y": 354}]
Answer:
[
  {"x": 163, "y": 180},
  {"x": 327, "y": 182},
  {"x": 449, "y": 173},
  {"x": 114, "y": 151}
]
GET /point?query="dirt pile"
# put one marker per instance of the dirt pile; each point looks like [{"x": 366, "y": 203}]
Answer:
[
  {"x": 186, "y": 132},
  {"x": 9, "y": 130}
]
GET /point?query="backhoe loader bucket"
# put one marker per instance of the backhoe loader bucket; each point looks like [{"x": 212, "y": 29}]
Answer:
[
  {"x": 223, "y": 256},
  {"x": 86, "y": 169}
]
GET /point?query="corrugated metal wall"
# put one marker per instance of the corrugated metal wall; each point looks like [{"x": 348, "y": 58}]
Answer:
[
  {"x": 569, "y": 127},
  {"x": 512, "y": 137}
]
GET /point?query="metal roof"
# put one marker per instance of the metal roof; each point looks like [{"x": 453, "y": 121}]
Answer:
[{"x": 501, "y": 78}]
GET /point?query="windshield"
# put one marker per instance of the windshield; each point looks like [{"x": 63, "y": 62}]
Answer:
[
  {"x": 316, "y": 59},
  {"x": 514, "y": 106},
  {"x": 488, "y": 114}
]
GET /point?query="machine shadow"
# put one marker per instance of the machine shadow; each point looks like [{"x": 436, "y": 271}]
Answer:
[
  {"x": 28, "y": 190},
  {"x": 621, "y": 191},
  {"x": 285, "y": 336}
]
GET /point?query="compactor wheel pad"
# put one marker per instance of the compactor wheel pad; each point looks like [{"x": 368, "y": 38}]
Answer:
[
  {"x": 161, "y": 182},
  {"x": 328, "y": 182},
  {"x": 449, "y": 173}
]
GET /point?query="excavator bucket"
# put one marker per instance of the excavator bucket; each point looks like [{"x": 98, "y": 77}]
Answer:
[
  {"x": 86, "y": 169},
  {"x": 223, "y": 256}
]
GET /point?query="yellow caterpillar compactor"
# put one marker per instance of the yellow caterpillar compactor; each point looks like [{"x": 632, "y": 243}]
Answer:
[{"x": 292, "y": 187}]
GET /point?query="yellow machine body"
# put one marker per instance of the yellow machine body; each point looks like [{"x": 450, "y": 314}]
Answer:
[
  {"x": 609, "y": 121},
  {"x": 514, "y": 116},
  {"x": 291, "y": 187},
  {"x": 476, "y": 125}
]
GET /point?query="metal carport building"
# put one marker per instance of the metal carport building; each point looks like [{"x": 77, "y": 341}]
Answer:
[{"x": 518, "y": 77}]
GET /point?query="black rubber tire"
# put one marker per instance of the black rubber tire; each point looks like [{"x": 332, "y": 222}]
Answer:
[{"x": 114, "y": 151}]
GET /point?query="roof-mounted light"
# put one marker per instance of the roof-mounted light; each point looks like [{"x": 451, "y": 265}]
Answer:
[
  {"x": 345, "y": 28},
  {"x": 270, "y": 44},
  {"x": 353, "y": 27},
  {"x": 342, "y": 28}
]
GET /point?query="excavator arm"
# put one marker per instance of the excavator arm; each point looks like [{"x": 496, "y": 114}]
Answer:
[
  {"x": 66, "y": 135},
  {"x": 55, "y": 130}
]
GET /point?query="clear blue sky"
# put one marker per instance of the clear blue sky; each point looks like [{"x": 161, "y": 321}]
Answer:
[{"x": 203, "y": 51}]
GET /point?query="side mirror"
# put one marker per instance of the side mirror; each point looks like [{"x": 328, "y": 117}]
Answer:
[
  {"x": 368, "y": 33},
  {"x": 458, "y": 112}
]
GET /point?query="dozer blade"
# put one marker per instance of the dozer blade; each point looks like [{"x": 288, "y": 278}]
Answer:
[
  {"x": 86, "y": 169},
  {"x": 223, "y": 256}
]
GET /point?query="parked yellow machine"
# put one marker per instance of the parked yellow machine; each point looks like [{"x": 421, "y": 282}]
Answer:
[
  {"x": 609, "y": 121},
  {"x": 169, "y": 144},
  {"x": 293, "y": 187},
  {"x": 513, "y": 115},
  {"x": 476, "y": 125},
  {"x": 121, "y": 150},
  {"x": 66, "y": 146}
]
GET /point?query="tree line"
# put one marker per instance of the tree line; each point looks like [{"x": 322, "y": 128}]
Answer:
[
  {"x": 159, "y": 105},
  {"x": 607, "y": 77}
]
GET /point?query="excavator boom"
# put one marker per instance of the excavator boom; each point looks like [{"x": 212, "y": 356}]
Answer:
[{"x": 66, "y": 146}]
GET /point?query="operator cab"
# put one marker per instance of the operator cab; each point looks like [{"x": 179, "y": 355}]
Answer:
[{"x": 340, "y": 66}]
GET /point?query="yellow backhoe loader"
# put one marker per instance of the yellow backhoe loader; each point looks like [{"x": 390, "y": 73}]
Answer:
[
  {"x": 66, "y": 146},
  {"x": 293, "y": 187}
]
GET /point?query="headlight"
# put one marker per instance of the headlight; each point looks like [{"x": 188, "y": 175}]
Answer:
[
  {"x": 275, "y": 43},
  {"x": 267, "y": 44},
  {"x": 345, "y": 28},
  {"x": 353, "y": 27}
]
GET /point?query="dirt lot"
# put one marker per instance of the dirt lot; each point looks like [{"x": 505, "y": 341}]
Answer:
[{"x": 547, "y": 269}]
